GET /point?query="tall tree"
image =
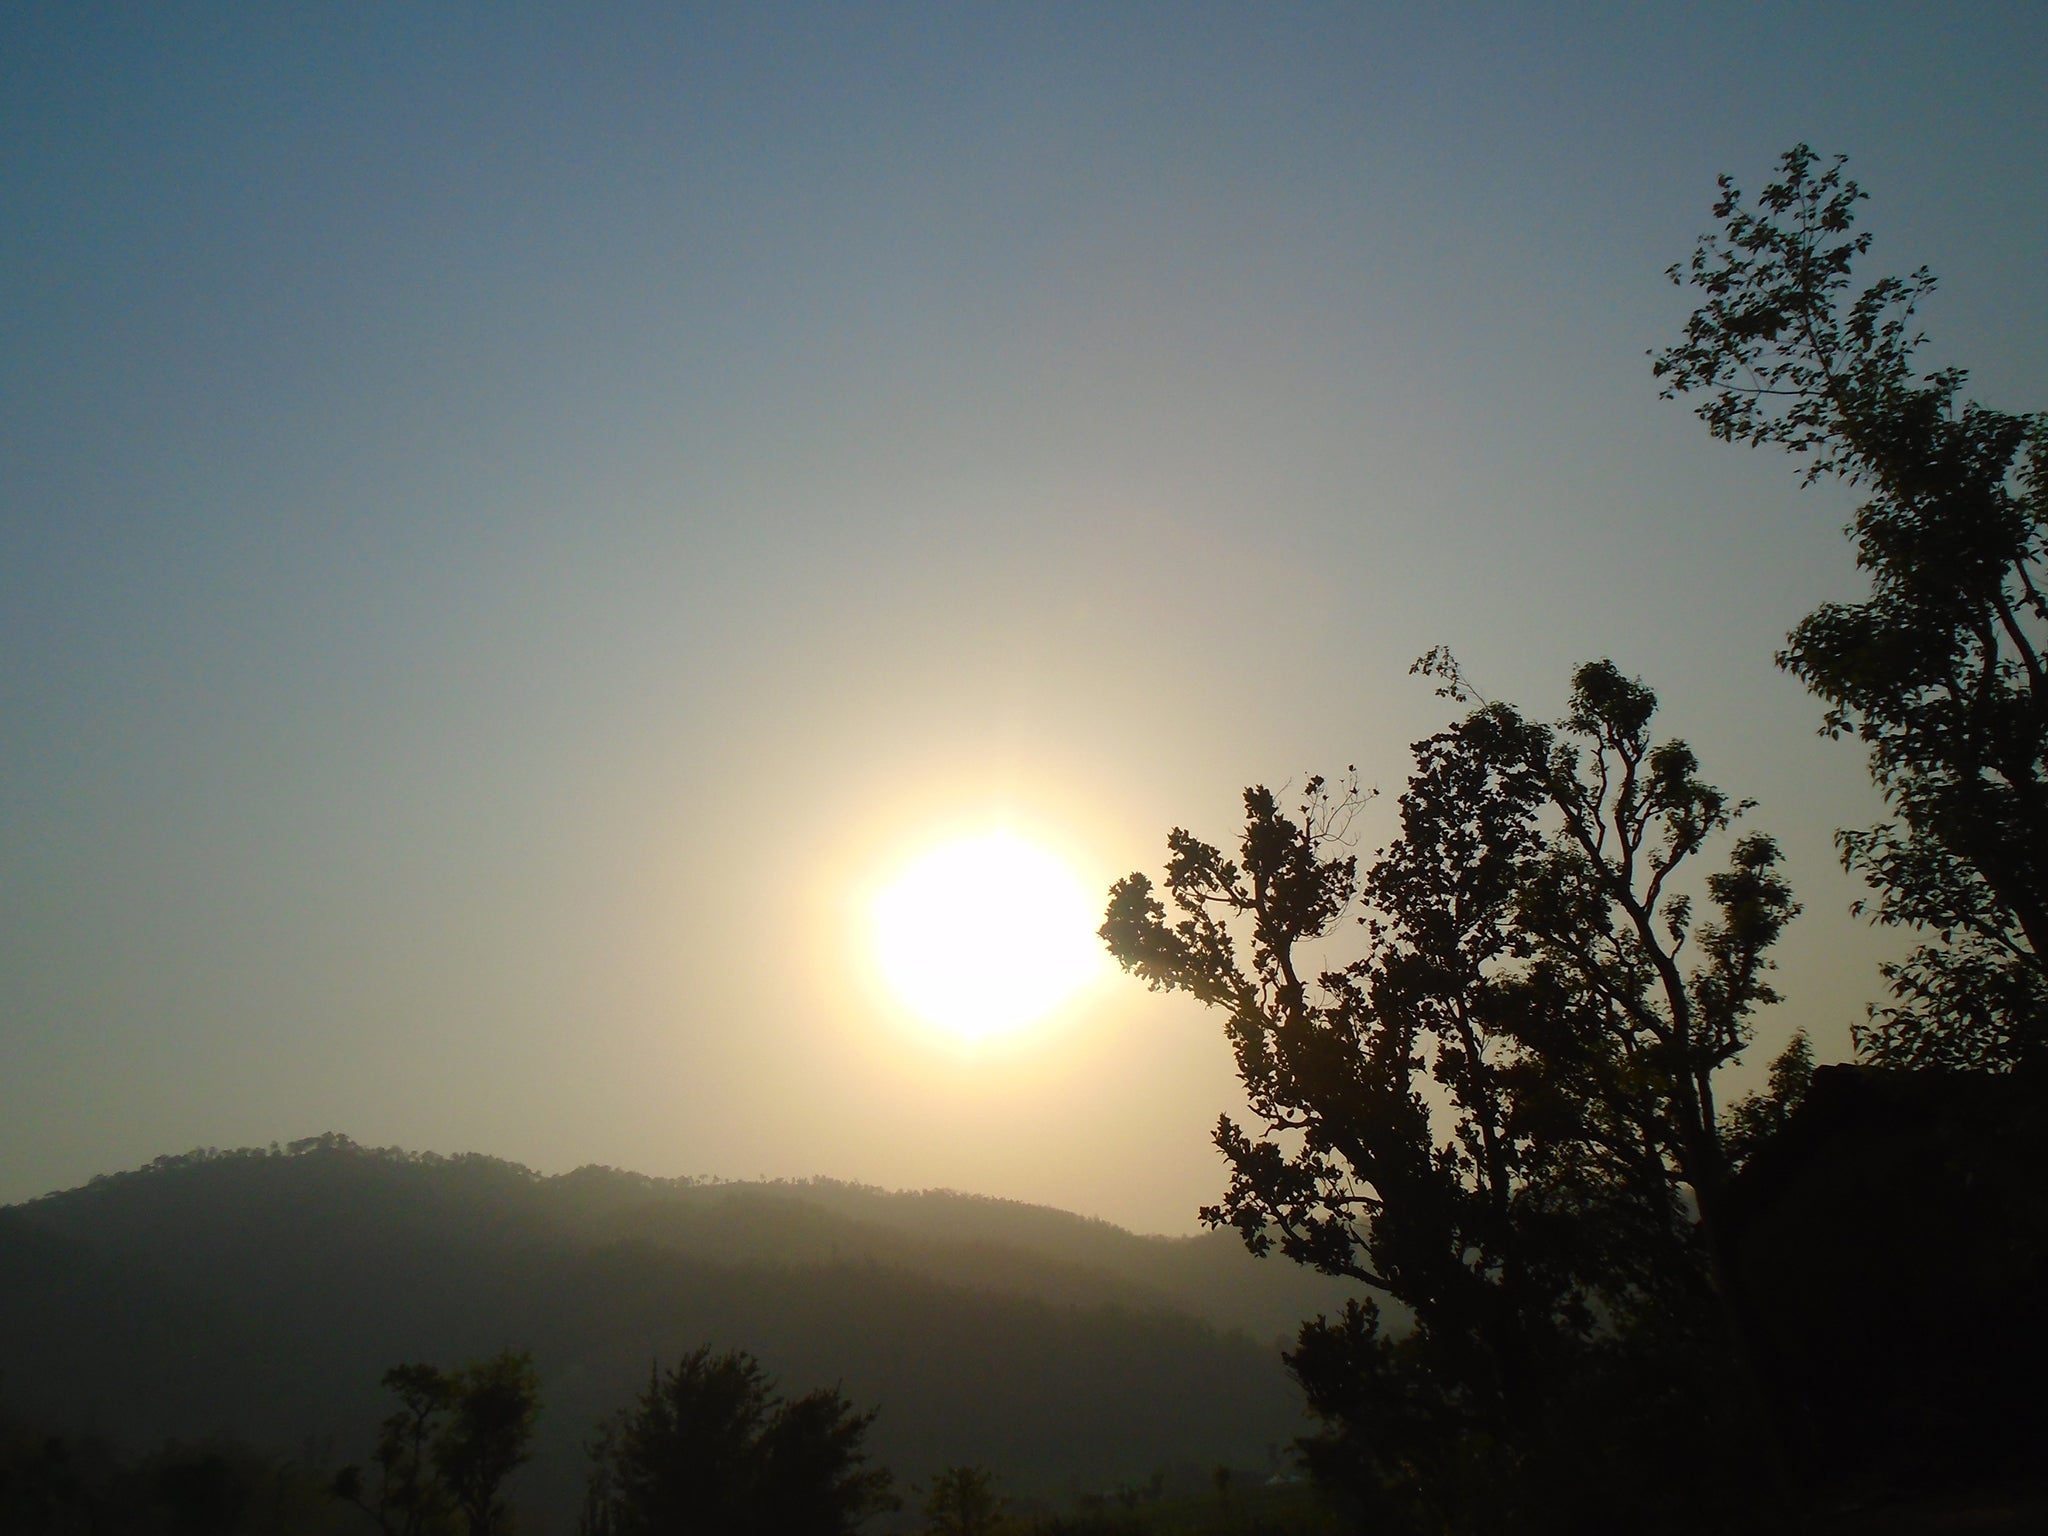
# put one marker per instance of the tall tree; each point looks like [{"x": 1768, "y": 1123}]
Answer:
[
  {"x": 1940, "y": 670},
  {"x": 407, "y": 1500},
  {"x": 488, "y": 1435},
  {"x": 963, "y": 1501},
  {"x": 1503, "y": 1113},
  {"x": 443, "y": 1457},
  {"x": 1607, "y": 1007},
  {"x": 710, "y": 1447}
]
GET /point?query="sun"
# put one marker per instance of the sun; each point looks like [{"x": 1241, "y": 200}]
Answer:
[{"x": 986, "y": 934}]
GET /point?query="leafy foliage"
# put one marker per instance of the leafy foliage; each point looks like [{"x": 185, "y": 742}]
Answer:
[
  {"x": 1939, "y": 671},
  {"x": 710, "y": 1447},
  {"x": 447, "y": 1451},
  {"x": 488, "y": 1436},
  {"x": 1503, "y": 1113},
  {"x": 248, "y": 1290},
  {"x": 1766, "y": 1113},
  {"x": 54, "y": 1484},
  {"x": 962, "y": 1501}
]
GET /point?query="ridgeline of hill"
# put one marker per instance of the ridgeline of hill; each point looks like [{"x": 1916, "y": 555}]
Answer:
[{"x": 260, "y": 1294}]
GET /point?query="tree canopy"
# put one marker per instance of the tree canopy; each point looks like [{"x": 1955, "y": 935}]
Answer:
[
  {"x": 444, "y": 1455},
  {"x": 1502, "y": 1114},
  {"x": 709, "y": 1446},
  {"x": 1939, "y": 670},
  {"x": 962, "y": 1501}
]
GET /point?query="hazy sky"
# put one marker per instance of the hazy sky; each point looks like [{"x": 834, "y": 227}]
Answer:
[{"x": 513, "y": 519}]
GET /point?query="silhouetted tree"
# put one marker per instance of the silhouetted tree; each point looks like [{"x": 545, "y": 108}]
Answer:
[
  {"x": 1940, "y": 670},
  {"x": 70, "y": 1485},
  {"x": 1768, "y": 1111},
  {"x": 407, "y": 1500},
  {"x": 488, "y": 1435},
  {"x": 709, "y": 1447},
  {"x": 444, "y": 1456},
  {"x": 1504, "y": 1113},
  {"x": 963, "y": 1501}
]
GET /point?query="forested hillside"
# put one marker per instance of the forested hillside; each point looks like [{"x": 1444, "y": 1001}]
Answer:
[{"x": 261, "y": 1294}]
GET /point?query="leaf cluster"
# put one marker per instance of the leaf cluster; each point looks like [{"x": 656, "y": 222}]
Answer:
[
  {"x": 444, "y": 1455},
  {"x": 962, "y": 1501},
  {"x": 1939, "y": 670},
  {"x": 65, "y": 1484},
  {"x": 1501, "y": 1114},
  {"x": 710, "y": 1446}
]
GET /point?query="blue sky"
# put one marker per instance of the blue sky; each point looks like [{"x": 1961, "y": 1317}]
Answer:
[{"x": 509, "y": 516}]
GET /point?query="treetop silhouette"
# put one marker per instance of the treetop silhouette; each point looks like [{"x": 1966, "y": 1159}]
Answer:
[
  {"x": 709, "y": 1446},
  {"x": 1940, "y": 670},
  {"x": 1505, "y": 1113}
]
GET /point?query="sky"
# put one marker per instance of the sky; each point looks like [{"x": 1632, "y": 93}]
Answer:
[{"x": 515, "y": 520}]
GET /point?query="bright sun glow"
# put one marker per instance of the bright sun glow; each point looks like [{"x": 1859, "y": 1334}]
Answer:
[{"x": 985, "y": 935}]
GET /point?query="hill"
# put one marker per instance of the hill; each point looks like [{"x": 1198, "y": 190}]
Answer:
[{"x": 261, "y": 1293}]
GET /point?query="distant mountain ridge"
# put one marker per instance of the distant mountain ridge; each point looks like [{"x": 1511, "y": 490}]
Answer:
[
  {"x": 979, "y": 1241},
  {"x": 262, "y": 1292}
]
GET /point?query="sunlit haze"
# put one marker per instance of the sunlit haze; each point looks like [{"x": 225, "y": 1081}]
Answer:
[
  {"x": 986, "y": 934},
  {"x": 614, "y": 585}
]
